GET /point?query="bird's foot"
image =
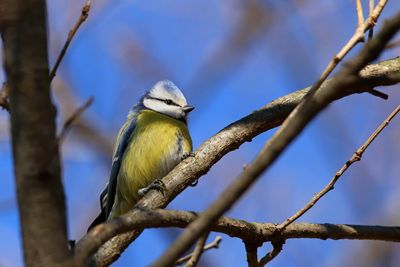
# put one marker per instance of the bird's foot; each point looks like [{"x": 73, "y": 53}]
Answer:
[
  {"x": 187, "y": 154},
  {"x": 71, "y": 246},
  {"x": 194, "y": 183},
  {"x": 155, "y": 185}
]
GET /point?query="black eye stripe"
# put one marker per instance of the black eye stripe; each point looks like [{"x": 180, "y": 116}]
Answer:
[{"x": 166, "y": 101}]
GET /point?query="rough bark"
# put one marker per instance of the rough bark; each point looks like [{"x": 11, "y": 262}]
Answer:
[
  {"x": 227, "y": 140},
  {"x": 35, "y": 147}
]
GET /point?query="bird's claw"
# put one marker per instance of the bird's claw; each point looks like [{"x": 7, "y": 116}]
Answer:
[
  {"x": 71, "y": 246},
  {"x": 187, "y": 154},
  {"x": 155, "y": 185},
  {"x": 194, "y": 183}
]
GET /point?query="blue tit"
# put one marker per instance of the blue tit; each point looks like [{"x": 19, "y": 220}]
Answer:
[{"x": 153, "y": 140}]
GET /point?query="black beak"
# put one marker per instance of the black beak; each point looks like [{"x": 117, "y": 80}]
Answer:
[{"x": 187, "y": 109}]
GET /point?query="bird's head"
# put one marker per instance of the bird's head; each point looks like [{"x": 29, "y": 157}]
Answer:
[{"x": 166, "y": 98}]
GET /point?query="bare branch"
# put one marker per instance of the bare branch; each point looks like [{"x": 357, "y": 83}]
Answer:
[
  {"x": 355, "y": 157},
  {"x": 371, "y": 8},
  {"x": 214, "y": 244},
  {"x": 290, "y": 129},
  {"x": 277, "y": 246},
  {"x": 357, "y": 37},
  {"x": 251, "y": 254},
  {"x": 198, "y": 250},
  {"x": 71, "y": 34},
  {"x": 256, "y": 232},
  {"x": 4, "y": 97},
  {"x": 83, "y": 127},
  {"x": 393, "y": 44},
  {"x": 377, "y": 93},
  {"x": 68, "y": 123},
  {"x": 84, "y": 15},
  {"x": 229, "y": 139},
  {"x": 360, "y": 15}
]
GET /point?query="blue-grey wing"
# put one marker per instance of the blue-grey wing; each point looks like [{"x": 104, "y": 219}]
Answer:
[
  {"x": 108, "y": 195},
  {"x": 116, "y": 164}
]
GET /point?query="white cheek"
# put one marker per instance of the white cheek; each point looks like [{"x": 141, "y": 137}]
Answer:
[
  {"x": 173, "y": 111},
  {"x": 163, "y": 108},
  {"x": 152, "y": 104}
]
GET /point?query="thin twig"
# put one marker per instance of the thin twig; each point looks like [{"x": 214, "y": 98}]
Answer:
[
  {"x": 357, "y": 37},
  {"x": 276, "y": 249},
  {"x": 198, "y": 250},
  {"x": 393, "y": 44},
  {"x": 68, "y": 123},
  {"x": 251, "y": 254},
  {"x": 360, "y": 15},
  {"x": 4, "y": 103},
  {"x": 71, "y": 34},
  {"x": 371, "y": 8},
  {"x": 84, "y": 15},
  {"x": 377, "y": 93},
  {"x": 355, "y": 157},
  {"x": 214, "y": 244}
]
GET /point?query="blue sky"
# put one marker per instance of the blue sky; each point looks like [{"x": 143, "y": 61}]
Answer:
[{"x": 126, "y": 46}]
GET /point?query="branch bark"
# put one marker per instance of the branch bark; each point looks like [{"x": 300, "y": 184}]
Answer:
[
  {"x": 198, "y": 250},
  {"x": 71, "y": 34},
  {"x": 213, "y": 244},
  {"x": 253, "y": 233},
  {"x": 290, "y": 129},
  {"x": 227, "y": 140},
  {"x": 277, "y": 246},
  {"x": 251, "y": 254},
  {"x": 35, "y": 148}
]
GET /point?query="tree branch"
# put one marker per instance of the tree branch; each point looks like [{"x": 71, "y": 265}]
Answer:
[
  {"x": 251, "y": 254},
  {"x": 33, "y": 130},
  {"x": 357, "y": 37},
  {"x": 357, "y": 155},
  {"x": 257, "y": 233},
  {"x": 198, "y": 250},
  {"x": 229, "y": 139},
  {"x": 393, "y": 44},
  {"x": 360, "y": 15},
  {"x": 71, "y": 34},
  {"x": 214, "y": 244},
  {"x": 370, "y": 10},
  {"x": 74, "y": 116},
  {"x": 84, "y": 15},
  {"x": 277, "y": 246},
  {"x": 4, "y": 97},
  {"x": 290, "y": 129}
]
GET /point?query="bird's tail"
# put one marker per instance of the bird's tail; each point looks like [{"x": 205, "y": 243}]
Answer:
[
  {"x": 99, "y": 219},
  {"x": 102, "y": 217}
]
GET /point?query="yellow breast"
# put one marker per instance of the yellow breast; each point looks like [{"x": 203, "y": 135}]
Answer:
[{"x": 157, "y": 145}]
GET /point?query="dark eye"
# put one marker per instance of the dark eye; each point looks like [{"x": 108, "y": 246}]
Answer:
[{"x": 168, "y": 102}]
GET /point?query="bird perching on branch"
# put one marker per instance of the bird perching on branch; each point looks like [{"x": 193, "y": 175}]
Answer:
[{"x": 153, "y": 140}]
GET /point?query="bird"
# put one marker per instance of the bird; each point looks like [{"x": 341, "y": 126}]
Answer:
[{"x": 152, "y": 141}]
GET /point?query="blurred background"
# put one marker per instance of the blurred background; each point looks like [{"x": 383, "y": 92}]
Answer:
[{"x": 229, "y": 58}]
